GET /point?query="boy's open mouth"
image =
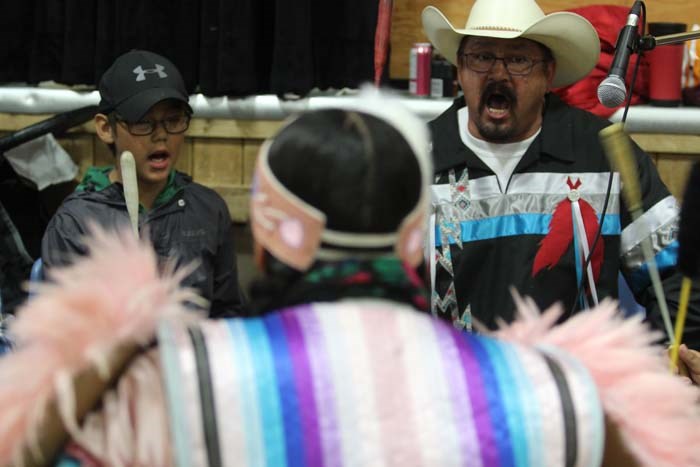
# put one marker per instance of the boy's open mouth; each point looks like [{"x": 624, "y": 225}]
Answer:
[{"x": 159, "y": 159}]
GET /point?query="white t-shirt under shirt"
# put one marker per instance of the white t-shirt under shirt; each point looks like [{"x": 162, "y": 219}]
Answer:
[{"x": 501, "y": 158}]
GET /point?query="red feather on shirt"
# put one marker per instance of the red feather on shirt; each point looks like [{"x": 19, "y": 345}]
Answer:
[
  {"x": 561, "y": 234},
  {"x": 555, "y": 243}
]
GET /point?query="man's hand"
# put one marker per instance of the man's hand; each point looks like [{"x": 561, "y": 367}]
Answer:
[{"x": 691, "y": 360}]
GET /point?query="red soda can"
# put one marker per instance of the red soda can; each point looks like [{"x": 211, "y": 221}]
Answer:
[{"x": 419, "y": 73}]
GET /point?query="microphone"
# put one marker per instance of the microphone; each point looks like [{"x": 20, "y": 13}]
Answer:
[{"x": 612, "y": 90}]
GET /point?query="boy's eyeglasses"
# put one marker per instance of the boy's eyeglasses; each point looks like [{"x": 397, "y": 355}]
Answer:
[{"x": 173, "y": 125}]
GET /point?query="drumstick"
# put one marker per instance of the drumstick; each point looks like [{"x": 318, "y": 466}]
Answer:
[
  {"x": 619, "y": 151},
  {"x": 131, "y": 189},
  {"x": 686, "y": 285}
]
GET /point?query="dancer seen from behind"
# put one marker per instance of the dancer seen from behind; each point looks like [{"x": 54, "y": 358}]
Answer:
[{"x": 341, "y": 364}]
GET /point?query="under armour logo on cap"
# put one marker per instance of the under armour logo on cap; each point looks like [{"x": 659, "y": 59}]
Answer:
[{"x": 140, "y": 72}]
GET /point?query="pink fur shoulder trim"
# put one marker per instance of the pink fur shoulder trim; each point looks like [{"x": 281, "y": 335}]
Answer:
[
  {"x": 115, "y": 295},
  {"x": 657, "y": 413}
]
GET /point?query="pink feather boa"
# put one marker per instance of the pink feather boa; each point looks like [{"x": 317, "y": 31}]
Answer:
[
  {"x": 118, "y": 295},
  {"x": 657, "y": 413}
]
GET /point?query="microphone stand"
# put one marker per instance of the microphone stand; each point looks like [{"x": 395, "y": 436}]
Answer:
[{"x": 650, "y": 42}]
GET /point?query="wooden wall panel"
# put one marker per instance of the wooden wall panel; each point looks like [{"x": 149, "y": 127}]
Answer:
[
  {"x": 674, "y": 170},
  {"x": 237, "y": 199},
  {"x": 185, "y": 162},
  {"x": 218, "y": 161},
  {"x": 406, "y": 27},
  {"x": 674, "y": 144},
  {"x": 250, "y": 156},
  {"x": 81, "y": 148},
  {"x": 222, "y": 128},
  {"x": 218, "y": 164}
]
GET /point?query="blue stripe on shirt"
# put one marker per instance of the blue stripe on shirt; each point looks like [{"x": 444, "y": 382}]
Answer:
[
  {"x": 666, "y": 259},
  {"x": 516, "y": 224}
]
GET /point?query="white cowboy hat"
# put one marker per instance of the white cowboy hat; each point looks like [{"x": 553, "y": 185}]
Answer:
[{"x": 571, "y": 38}]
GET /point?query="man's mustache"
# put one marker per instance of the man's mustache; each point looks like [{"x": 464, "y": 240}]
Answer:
[{"x": 498, "y": 87}]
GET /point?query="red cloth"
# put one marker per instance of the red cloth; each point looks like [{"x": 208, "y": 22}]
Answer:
[
  {"x": 381, "y": 38},
  {"x": 607, "y": 21}
]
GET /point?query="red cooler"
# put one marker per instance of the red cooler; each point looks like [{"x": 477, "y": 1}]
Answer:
[{"x": 665, "y": 67}]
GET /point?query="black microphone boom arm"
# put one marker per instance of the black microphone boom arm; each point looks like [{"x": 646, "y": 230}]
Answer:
[{"x": 648, "y": 42}]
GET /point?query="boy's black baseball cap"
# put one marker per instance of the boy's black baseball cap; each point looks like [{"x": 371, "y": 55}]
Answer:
[{"x": 137, "y": 81}]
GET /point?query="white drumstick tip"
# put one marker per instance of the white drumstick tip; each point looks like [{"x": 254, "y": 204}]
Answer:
[{"x": 131, "y": 188}]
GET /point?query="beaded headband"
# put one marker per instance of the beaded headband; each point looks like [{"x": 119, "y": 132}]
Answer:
[{"x": 295, "y": 232}]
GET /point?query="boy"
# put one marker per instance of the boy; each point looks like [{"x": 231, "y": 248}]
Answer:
[{"x": 144, "y": 109}]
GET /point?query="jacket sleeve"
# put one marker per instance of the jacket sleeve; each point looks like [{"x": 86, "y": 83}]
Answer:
[
  {"x": 63, "y": 240},
  {"x": 227, "y": 299},
  {"x": 659, "y": 225}
]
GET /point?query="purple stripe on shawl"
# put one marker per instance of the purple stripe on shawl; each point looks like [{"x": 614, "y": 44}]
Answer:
[
  {"x": 303, "y": 383},
  {"x": 479, "y": 400},
  {"x": 454, "y": 374},
  {"x": 322, "y": 379}
]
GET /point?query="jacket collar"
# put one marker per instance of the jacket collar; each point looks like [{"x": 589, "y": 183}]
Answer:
[
  {"x": 555, "y": 140},
  {"x": 97, "y": 180}
]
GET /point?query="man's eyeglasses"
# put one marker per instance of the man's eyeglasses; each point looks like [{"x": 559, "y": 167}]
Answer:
[
  {"x": 517, "y": 65},
  {"x": 173, "y": 125}
]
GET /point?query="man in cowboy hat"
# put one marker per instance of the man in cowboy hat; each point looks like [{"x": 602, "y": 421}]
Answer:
[{"x": 522, "y": 180}]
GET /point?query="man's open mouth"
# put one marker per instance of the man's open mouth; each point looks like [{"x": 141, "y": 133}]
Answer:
[{"x": 497, "y": 100}]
